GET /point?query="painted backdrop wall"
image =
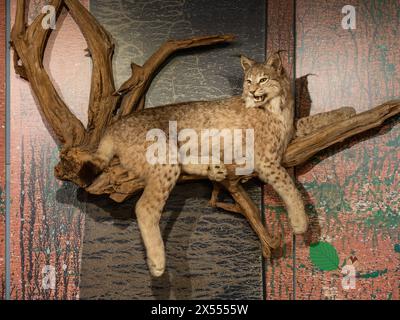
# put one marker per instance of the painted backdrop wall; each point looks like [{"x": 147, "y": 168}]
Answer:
[
  {"x": 351, "y": 190},
  {"x": 2, "y": 145}
]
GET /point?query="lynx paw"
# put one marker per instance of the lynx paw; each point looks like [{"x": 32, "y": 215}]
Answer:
[
  {"x": 217, "y": 172},
  {"x": 156, "y": 269},
  {"x": 348, "y": 112},
  {"x": 299, "y": 223}
]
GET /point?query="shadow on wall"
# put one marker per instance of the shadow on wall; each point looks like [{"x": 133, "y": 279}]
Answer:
[{"x": 201, "y": 246}]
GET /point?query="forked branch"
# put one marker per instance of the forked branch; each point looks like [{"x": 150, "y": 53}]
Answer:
[{"x": 101, "y": 49}]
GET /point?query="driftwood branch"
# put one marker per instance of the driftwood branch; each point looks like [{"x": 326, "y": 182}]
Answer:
[
  {"x": 302, "y": 149},
  {"x": 101, "y": 50},
  {"x": 245, "y": 206},
  {"x": 29, "y": 43}
]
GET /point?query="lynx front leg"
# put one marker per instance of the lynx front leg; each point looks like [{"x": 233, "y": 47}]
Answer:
[
  {"x": 148, "y": 211},
  {"x": 279, "y": 179}
]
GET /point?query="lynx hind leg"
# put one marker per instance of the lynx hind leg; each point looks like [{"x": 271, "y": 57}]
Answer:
[
  {"x": 308, "y": 125},
  {"x": 275, "y": 175},
  {"x": 94, "y": 164},
  {"x": 149, "y": 207}
]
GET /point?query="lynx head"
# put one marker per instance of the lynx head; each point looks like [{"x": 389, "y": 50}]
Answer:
[{"x": 262, "y": 81}]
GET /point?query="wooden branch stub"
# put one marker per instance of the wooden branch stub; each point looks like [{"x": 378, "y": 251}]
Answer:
[
  {"x": 302, "y": 149},
  {"x": 19, "y": 26},
  {"x": 245, "y": 206}
]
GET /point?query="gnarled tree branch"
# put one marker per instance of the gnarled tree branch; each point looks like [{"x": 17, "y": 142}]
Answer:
[{"x": 101, "y": 49}]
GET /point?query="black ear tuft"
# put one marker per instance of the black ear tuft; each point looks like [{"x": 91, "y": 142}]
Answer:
[
  {"x": 246, "y": 63},
  {"x": 275, "y": 61}
]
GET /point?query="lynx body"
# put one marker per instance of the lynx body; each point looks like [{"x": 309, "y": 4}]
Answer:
[{"x": 266, "y": 106}]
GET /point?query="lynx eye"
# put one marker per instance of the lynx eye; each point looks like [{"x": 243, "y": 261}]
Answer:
[
  {"x": 248, "y": 81},
  {"x": 263, "y": 80}
]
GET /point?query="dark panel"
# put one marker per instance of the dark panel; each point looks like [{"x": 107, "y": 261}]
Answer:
[
  {"x": 46, "y": 218},
  {"x": 210, "y": 253}
]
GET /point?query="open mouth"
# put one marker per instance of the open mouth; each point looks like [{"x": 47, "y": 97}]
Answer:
[{"x": 259, "y": 99}]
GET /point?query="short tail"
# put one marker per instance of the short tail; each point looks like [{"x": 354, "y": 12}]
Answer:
[{"x": 97, "y": 162}]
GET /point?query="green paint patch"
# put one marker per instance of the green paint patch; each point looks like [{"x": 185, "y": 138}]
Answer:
[
  {"x": 373, "y": 274},
  {"x": 2, "y": 203},
  {"x": 329, "y": 196},
  {"x": 390, "y": 68},
  {"x": 397, "y": 247},
  {"x": 395, "y": 142},
  {"x": 388, "y": 181},
  {"x": 324, "y": 256}
]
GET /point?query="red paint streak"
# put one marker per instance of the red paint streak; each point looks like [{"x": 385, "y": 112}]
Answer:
[
  {"x": 70, "y": 70},
  {"x": 2, "y": 141},
  {"x": 279, "y": 272}
]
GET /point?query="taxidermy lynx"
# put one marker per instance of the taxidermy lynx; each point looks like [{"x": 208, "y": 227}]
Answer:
[{"x": 266, "y": 106}]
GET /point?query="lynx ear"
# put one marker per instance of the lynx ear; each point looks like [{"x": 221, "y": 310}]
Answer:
[
  {"x": 246, "y": 63},
  {"x": 275, "y": 61}
]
